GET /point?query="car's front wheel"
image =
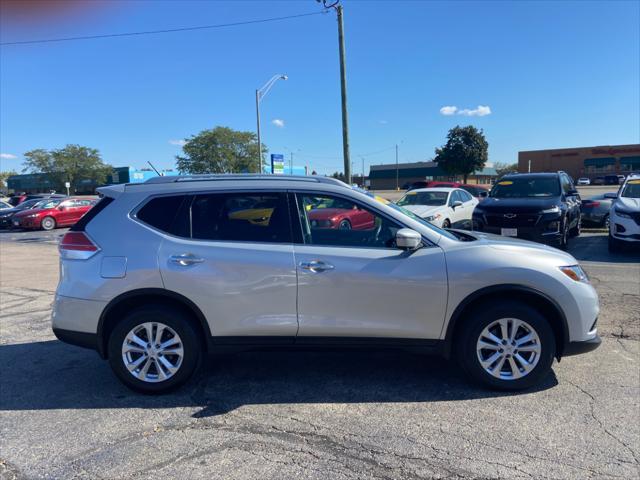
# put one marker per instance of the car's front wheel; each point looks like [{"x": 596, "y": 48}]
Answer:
[
  {"x": 48, "y": 223},
  {"x": 507, "y": 347},
  {"x": 154, "y": 349}
]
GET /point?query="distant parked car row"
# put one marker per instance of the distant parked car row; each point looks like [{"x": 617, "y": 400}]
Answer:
[
  {"x": 543, "y": 207},
  {"x": 47, "y": 213}
]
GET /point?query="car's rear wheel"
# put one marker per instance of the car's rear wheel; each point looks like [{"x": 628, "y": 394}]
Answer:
[
  {"x": 507, "y": 347},
  {"x": 154, "y": 349},
  {"x": 605, "y": 222},
  {"x": 48, "y": 223}
]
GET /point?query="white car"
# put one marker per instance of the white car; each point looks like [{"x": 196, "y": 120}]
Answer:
[
  {"x": 584, "y": 181},
  {"x": 624, "y": 216},
  {"x": 443, "y": 207}
]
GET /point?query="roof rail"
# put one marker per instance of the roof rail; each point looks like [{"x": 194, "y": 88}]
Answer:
[{"x": 242, "y": 176}]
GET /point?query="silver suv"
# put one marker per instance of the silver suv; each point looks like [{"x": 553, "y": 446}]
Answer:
[{"x": 156, "y": 275}]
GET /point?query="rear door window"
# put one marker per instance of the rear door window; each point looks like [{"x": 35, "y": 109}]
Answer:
[{"x": 242, "y": 217}]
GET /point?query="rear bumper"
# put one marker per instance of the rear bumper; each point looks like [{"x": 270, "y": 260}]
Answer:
[
  {"x": 79, "y": 339},
  {"x": 576, "y": 348}
]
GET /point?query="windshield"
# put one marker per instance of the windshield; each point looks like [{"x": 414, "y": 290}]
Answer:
[
  {"x": 432, "y": 199},
  {"x": 527, "y": 187},
  {"x": 28, "y": 204},
  {"x": 631, "y": 189}
]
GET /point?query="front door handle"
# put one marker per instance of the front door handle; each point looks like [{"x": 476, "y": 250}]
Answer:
[
  {"x": 185, "y": 259},
  {"x": 316, "y": 266}
]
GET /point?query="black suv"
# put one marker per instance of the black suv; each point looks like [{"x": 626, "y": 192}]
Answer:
[{"x": 543, "y": 207}]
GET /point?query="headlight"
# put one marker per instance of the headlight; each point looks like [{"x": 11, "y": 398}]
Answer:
[
  {"x": 431, "y": 218},
  {"x": 33, "y": 215},
  {"x": 575, "y": 272},
  {"x": 555, "y": 209},
  {"x": 622, "y": 213}
]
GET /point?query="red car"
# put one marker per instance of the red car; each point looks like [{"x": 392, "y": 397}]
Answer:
[
  {"x": 52, "y": 213},
  {"x": 343, "y": 217}
]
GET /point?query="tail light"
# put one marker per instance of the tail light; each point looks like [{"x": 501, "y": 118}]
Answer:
[{"x": 77, "y": 246}]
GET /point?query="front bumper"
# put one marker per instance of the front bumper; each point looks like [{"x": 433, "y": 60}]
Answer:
[
  {"x": 625, "y": 229},
  {"x": 533, "y": 234},
  {"x": 576, "y": 348}
]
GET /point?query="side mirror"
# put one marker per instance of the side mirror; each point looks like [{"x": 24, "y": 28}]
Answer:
[
  {"x": 457, "y": 203},
  {"x": 611, "y": 195},
  {"x": 407, "y": 239},
  {"x": 572, "y": 192},
  {"x": 61, "y": 208},
  {"x": 483, "y": 194}
]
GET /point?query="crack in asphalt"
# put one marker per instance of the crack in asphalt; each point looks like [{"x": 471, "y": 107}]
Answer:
[{"x": 592, "y": 402}]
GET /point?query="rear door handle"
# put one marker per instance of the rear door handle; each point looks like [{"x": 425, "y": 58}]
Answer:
[
  {"x": 316, "y": 266},
  {"x": 185, "y": 259}
]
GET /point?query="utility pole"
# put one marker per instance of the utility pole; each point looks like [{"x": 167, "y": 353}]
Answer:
[
  {"x": 291, "y": 164},
  {"x": 343, "y": 89},
  {"x": 397, "y": 170},
  {"x": 362, "y": 171}
]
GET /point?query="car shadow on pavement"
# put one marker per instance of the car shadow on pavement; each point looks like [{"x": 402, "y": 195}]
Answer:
[
  {"x": 594, "y": 248},
  {"x": 52, "y": 375}
]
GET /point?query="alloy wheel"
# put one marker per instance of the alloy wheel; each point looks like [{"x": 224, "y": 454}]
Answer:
[
  {"x": 152, "y": 352},
  {"x": 508, "y": 349}
]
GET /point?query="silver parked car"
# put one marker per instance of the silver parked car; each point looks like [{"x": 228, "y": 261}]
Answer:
[{"x": 158, "y": 274}]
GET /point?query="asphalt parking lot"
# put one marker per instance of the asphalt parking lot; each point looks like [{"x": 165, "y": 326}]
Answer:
[{"x": 313, "y": 414}]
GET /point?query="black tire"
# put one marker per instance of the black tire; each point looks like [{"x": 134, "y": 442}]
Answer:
[
  {"x": 48, "y": 223},
  {"x": 446, "y": 223},
  {"x": 564, "y": 239},
  {"x": 174, "y": 319},
  {"x": 575, "y": 231},
  {"x": 345, "y": 225},
  {"x": 605, "y": 222},
  {"x": 485, "y": 315}
]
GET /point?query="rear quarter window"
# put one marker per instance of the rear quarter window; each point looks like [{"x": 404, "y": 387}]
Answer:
[{"x": 161, "y": 212}]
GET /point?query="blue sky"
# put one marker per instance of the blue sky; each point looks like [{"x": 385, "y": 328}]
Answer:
[{"x": 552, "y": 74}]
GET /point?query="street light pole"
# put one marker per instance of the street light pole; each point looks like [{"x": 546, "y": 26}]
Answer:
[{"x": 260, "y": 93}]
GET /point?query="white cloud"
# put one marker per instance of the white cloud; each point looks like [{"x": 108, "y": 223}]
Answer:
[
  {"x": 448, "y": 110},
  {"x": 7, "y": 156},
  {"x": 178, "y": 143},
  {"x": 383, "y": 122},
  {"x": 278, "y": 122},
  {"x": 480, "y": 111}
]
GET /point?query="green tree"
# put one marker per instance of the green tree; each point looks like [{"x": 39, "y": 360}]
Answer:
[
  {"x": 72, "y": 164},
  {"x": 504, "y": 168},
  {"x": 465, "y": 152},
  {"x": 220, "y": 150},
  {"x": 3, "y": 177}
]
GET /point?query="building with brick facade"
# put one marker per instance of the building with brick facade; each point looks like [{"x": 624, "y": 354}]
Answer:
[{"x": 590, "y": 162}]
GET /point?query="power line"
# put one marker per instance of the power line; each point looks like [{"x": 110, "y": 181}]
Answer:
[{"x": 170, "y": 30}]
